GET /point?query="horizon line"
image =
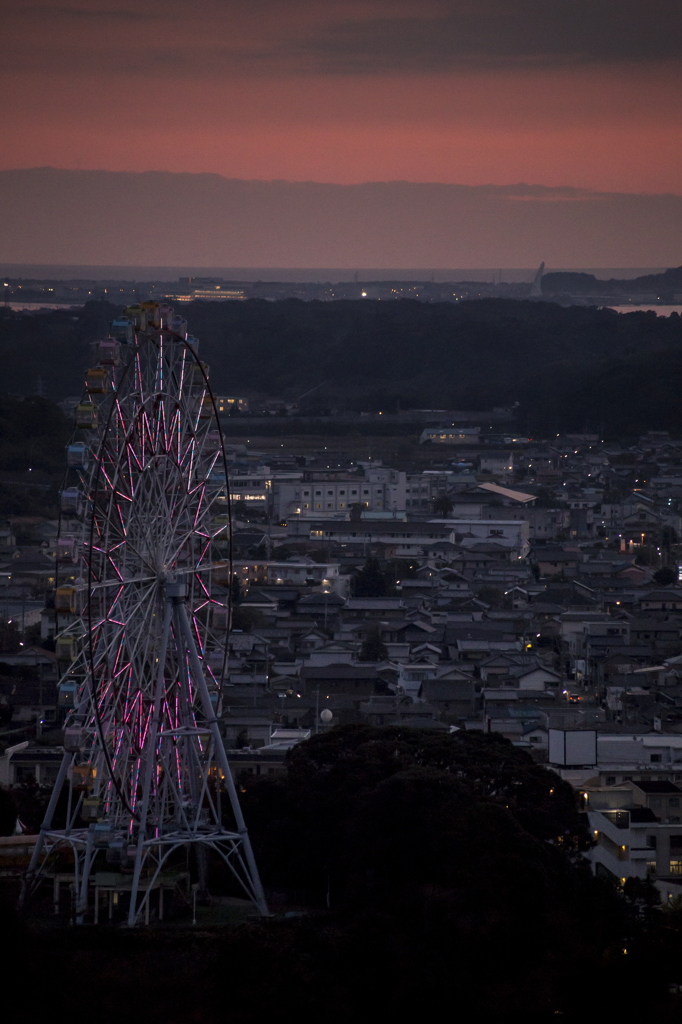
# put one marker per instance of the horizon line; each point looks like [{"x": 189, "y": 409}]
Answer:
[{"x": 356, "y": 184}]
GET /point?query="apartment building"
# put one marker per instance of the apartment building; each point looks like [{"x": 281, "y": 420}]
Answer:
[
  {"x": 293, "y": 572},
  {"x": 637, "y": 833},
  {"x": 329, "y": 496},
  {"x": 252, "y": 486},
  {"x": 422, "y": 489}
]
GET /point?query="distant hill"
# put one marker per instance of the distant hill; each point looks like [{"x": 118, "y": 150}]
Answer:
[
  {"x": 665, "y": 284},
  {"x": 567, "y": 366},
  {"x": 162, "y": 219}
]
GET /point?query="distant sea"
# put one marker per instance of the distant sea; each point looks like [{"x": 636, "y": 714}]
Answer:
[
  {"x": 304, "y": 274},
  {"x": 658, "y": 310}
]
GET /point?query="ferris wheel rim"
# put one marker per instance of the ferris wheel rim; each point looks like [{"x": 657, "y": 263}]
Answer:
[{"x": 149, "y": 338}]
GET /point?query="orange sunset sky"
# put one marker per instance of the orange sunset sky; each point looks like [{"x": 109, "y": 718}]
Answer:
[{"x": 560, "y": 92}]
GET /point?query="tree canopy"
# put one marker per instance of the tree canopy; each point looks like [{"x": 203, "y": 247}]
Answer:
[
  {"x": 371, "y": 581},
  {"x": 373, "y": 647},
  {"x": 451, "y": 861},
  {"x": 566, "y": 366},
  {"x": 435, "y": 870}
]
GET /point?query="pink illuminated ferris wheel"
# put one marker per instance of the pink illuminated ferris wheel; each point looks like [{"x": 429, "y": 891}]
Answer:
[{"x": 142, "y": 614}]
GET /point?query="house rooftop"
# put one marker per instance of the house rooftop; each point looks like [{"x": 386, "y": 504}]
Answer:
[{"x": 657, "y": 787}]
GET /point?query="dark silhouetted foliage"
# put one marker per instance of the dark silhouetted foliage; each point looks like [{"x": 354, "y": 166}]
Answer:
[
  {"x": 567, "y": 366},
  {"x": 8, "y": 813},
  {"x": 441, "y": 871},
  {"x": 10, "y": 638},
  {"x": 665, "y": 577},
  {"x": 373, "y": 647},
  {"x": 442, "y": 506},
  {"x": 370, "y": 581}
]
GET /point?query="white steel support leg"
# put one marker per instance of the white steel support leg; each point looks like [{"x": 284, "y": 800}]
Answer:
[
  {"x": 49, "y": 813},
  {"x": 152, "y": 475},
  {"x": 220, "y": 754},
  {"x": 151, "y": 764},
  {"x": 34, "y": 864},
  {"x": 88, "y": 857},
  {"x": 188, "y": 720}
]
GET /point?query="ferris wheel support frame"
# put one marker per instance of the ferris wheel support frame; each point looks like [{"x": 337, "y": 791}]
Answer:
[
  {"x": 198, "y": 742},
  {"x": 176, "y": 613}
]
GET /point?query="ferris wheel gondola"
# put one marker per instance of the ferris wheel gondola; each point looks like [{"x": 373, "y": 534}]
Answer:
[{"x": 142, "y": 613}]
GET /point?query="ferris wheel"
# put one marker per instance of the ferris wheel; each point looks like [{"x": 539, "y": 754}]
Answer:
[{"x": 142, "y": 608}]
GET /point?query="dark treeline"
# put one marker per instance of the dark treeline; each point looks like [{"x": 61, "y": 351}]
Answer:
[
  {"x": 50, "y": 351},
  {"x": 34, "y": 433},
  {"x": 568, "y": 367},
  {"x": 436, "y": 871},
  {"x": 665, "y": 284}
]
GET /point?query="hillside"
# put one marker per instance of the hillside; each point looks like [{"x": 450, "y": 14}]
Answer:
[
  {"x": 665, "y": 284},
  {"x": 566, "y": 366}
]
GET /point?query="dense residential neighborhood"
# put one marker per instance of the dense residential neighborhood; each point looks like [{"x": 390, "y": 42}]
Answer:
[{"x": 531, "y": 592}]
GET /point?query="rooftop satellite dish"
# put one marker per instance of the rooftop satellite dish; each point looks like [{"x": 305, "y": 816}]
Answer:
[{"x": 326, "y": 716}]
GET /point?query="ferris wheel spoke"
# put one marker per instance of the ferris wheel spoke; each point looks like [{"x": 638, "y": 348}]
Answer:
[
  {"x": 149, "y": 498},
  {"x": 119, "y": 580},
  {"x": 139, "y": 654}
]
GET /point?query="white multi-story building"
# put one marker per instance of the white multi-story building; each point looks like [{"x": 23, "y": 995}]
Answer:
[
  {"x": 299, "y": 572},
  {"x": 637, "y": 833},
  {"x": 422, "y": 489},
  {"x": 400, "y": 539},
  {"x": 512, "y": 534},
  {"x": 450, "y": 435},
  {"x": 498, "y": 463},
  {"x": 377, "y": 490},
  {"x": 253, "y": 487}
]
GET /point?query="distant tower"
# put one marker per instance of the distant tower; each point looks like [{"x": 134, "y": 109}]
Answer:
[{"x": 536, "y": 287}]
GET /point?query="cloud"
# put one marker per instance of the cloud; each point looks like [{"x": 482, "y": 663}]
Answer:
[
  {"x": 155, "y": 219},
  {"x": 499, "y": 34},
  {"x": 345, "y": 37},
  {"x": 64, "y": 12}
]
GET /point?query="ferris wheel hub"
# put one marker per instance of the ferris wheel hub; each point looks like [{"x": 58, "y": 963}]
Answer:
[
  {"x": 143, "y": 622},
  {"x": 175, "y": 589}
]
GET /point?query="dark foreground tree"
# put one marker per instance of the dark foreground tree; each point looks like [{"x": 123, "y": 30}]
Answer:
[
  {"x": 370, "y": 581},
  {"x": 441, "y": 874},
  {"x": 430, "y": 848},
  {"x": 373, "y": 647},
  {"x": 8, "y": 813},
  {"x": 665, "y": 577},
  {"x": 442, "y": 506},
  {"x": 10, "y": 638}
]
